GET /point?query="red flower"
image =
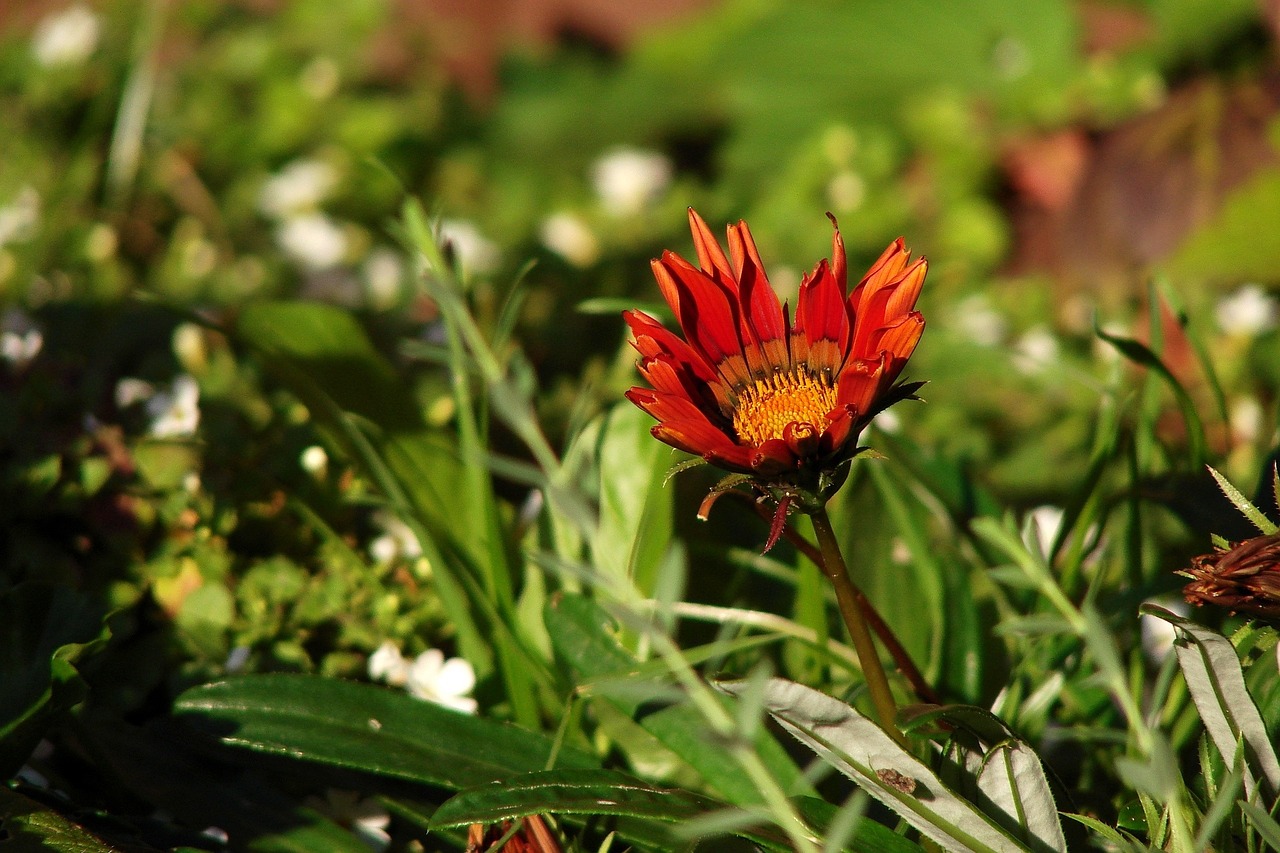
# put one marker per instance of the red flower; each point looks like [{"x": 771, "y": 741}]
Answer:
[{"x": 752, "y": 392}]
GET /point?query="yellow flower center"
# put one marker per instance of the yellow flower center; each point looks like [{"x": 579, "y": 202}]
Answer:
[{"x": 766, "y": 408}]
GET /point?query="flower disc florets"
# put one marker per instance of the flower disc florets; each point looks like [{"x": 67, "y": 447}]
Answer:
[{"x": 752, "y": 392}]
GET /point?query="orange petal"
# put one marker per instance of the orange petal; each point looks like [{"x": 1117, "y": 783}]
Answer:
[
  {"x": 822, "y": 319},
  {"x": 710, "y": 256},
  {"x": 706, "y": 316},
  {"x": 760, "y": 307}
]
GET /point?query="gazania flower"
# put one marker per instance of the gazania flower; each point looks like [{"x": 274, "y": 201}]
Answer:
[{"x": 752, "y": 391}]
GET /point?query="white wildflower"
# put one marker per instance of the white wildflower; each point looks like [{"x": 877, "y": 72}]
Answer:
[
  {"x": 20, "y": 217},
  {"x": 979, "y": 322},
  {"x": 314, "y": 460},
  {"x": 397, "y": 540},
  {"x": 476, "y": 253},
  {"x": 1036, "y": 350},
  {"x": 384, "y": 274},
  {"x": 297, "y": 188},
  {"x": 888, "y": 421},
  {"x": 175, "y": 411},
  {"x": 1249, "y": 311},
  {"x": 236, "y": 659},
  {"x": 570, "y": 237},
  {"x": 1045, "y": 523},
  {"x": 67, "y": 37},
  {"x": 366, "y": 818},
  {"x": 628, "y": 180},
  {"x": 387, "y": 664},
  {"x": 20, "y": 339},
  {"x": 130, "y": 390},
  {"x": 313, "y": 240},
  {"x": 320, "y": 78},
  {"x": 1246, "y": 418},
  {"x": 846, "y": 191},
  {"x": 445, "y": 682}
]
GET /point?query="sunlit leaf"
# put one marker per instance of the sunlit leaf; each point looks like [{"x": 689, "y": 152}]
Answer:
[
  {"x": 1212, "y": 670},
  {"x": 369, "y": 728},
  {"x": 861, "y": 750}
]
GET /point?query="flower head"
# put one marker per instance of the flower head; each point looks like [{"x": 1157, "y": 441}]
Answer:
[
  {"x": 1244, "y": 578},
  {"x": 753, "y": 392}
]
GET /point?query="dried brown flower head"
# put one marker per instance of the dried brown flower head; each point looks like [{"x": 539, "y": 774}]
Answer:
[{"x": 1243, "y": 578}]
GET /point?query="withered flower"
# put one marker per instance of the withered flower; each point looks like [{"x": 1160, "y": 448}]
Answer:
[{"x": 1244, "y": 578}]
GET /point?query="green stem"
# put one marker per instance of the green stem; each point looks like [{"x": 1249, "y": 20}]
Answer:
[{"x": 833, "y": 566}]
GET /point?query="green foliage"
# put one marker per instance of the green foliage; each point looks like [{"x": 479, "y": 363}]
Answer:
[{"x": 271, "y": 430}]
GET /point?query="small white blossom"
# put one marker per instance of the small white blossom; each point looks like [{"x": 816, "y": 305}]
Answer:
[
  {"x": 979, "y": 322},
  {"x": 476, "y": 253},
  {"x": 364, "y": 817},
  {"x": 236, "y": 659},
  {"x": 130, "y": 390},
  {"x": 20, "y": 339},
  {"x": 1246, "y": 418},
  {"x": 888, "y": 421},
  {"x": 1046, "y": 521},
  {"x": 297, "y": 188},
  {"x": 846, "y": 191},
  {"x": 1249, "y": 311},
  {"x": 175, "y": 411},
  {"x": 313, "y": 240},
  {"x": 320, "y": 78},
  {"x": 570, "y": 237},
  {"x": 1035, "y": 350},
  {"x": 397, "y": 540},
  {"x": 216, "y": 833},
  {"x": 20, "y": 218},
  {"x": 628, "y": 180},
  {"x": 383, "y": 273},
  {"x": 387, "y": 664},
  {"x": 445, "y": 682},
  {"x": 314, "y": 460},
  {"x": 67, "y": 37}
]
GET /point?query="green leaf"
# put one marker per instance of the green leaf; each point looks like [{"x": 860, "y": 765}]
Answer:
[
  {"x": 323, "y": 354},
  {"x": 44, "y": 631},
  {"x": 158, "y": 765},
  {"x": 28, "y": 827},
  {"x": 1212, "y": 670},
  {"x": 1008, "y": 772},
  {"x": 582, "y": 635},
  {"x": 1244, "y": 505},
  {"x": 368, "y": 728},
  {"x": 1139, "y": 353},
  {"x": 861, "y": 750},
  {"x": 1263, "y": 823},
  {"x": 608, "y": 792},
  {"x": 602, "y": 792},
  {"x": 635, "y": 510}
]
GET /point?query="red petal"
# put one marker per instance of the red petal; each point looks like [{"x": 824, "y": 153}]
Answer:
[
  {"x": 710, "y": 256},
  {"x": 652, "y": 339},
  {"x": 860, "y": 383},
  {"x": 760, "y": 306},
  {"x": 680, "y": 423},
  {"x": 822, "y": 319},
  {"x": 899, "y": 340},
  {"x": 839, "y": 261},
  {"x": 907, "y": 291},
  {"x": 706, "y": 316}
]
